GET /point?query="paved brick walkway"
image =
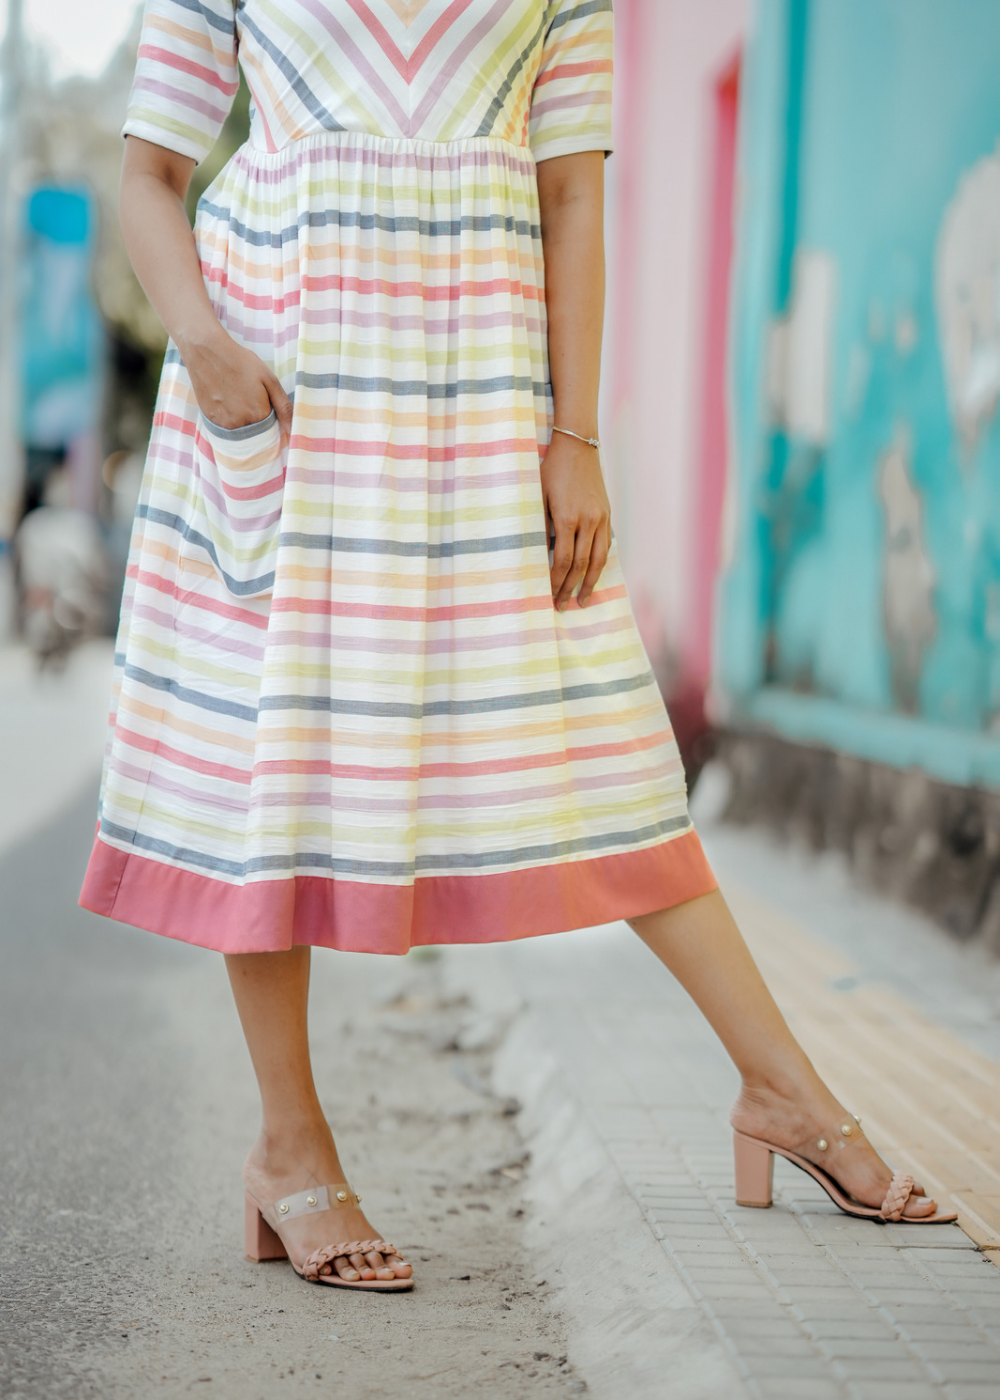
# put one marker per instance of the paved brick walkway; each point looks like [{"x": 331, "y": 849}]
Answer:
[{"x": 798, "y": 1301}]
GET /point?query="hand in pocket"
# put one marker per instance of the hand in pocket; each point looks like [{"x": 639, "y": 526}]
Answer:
[{"x": 233, "y": 386}]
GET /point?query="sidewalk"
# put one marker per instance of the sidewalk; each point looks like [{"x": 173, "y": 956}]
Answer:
[
  {"x": 626, "y": 1094},
  {"x": 618, "y": 1265}
]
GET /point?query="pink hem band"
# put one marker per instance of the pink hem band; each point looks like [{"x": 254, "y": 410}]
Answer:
[{"x": 268, "y": 916}]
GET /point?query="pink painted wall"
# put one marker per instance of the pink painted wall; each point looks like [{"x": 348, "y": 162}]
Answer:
[{"x": 669, "y": 57}]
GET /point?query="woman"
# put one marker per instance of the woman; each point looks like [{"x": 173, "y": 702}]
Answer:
[{"x": 358, "y": 702}]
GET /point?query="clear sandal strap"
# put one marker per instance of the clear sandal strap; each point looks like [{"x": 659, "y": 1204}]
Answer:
[{"x": 317, "y": 1198}]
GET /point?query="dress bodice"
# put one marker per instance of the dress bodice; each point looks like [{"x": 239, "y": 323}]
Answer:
[{"x": 525, "y": 71}]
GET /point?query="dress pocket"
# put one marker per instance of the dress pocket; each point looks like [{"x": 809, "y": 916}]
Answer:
[{"x": 243, "y": 479}]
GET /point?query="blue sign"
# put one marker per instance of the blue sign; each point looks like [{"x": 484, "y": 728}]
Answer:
[{"x": 62, "y": 337}]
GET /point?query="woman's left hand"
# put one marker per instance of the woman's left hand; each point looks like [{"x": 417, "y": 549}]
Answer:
[{"x": 577, "y": 504}]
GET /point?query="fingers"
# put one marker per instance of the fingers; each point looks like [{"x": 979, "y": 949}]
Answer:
[
  {"x": 280, "y": 401},
  {"x": 598, "y": 558},
  {"x": 590, "y": 543},
  {"x": 578, "y": 565},
  {"x": 562, "y": 554}
]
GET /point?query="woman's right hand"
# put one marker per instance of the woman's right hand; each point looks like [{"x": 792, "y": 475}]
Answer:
[{"x": 234, "y": 386}]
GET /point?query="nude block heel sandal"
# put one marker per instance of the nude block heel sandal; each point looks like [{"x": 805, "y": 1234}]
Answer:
[
  {"x": 262, "y": 1240},
  {"x": 260, "y": 1243},
  {"x": 754, "y": 1162}
]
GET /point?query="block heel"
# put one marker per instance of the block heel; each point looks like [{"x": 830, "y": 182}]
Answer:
[
  {"x": 754, "y": 1163},
  {"x": 259, "y": 1240}
]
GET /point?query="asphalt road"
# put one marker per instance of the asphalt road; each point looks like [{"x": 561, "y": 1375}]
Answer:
[{"x": 126, "y": 1105}]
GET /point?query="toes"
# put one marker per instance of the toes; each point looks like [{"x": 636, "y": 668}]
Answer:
[
  {"x": 918, "y": 1206},
  {"x": 399, "y": 1266},
  {"x": 363, "y": 1267},
  {"x": 346, "y": 1269},
  {"x": 382, "y": 1269}
]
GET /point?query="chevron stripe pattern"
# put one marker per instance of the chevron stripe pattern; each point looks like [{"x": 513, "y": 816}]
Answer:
[{"x": 345, "y": 710}]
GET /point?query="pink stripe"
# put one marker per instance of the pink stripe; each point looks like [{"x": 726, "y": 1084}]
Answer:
[
  {"x": 441, "y": 646},
  {"x": 568, "y": 100},
  {"x": 203, "y": 601},
  {"x": 571, "y": 70},
  {"x": 527, "y": 762},
  {"x": 269, "y": 915},
  {"x": 395, "y": 612},
  {"x": 183, "y": 760},
  {"x": 437, "y": 30},
  {"x": 354, "y": 147},
  {"x": 455, "y": 59},
  {"x": 448, "y": 291},
  {"x": 415, "y": 452},
  {"x": 337, "y": 802},
  {"x": 320, "y": 11},
  {"x": 169, "y": 59},
  {"x": 365, "y": 481},
  {"x": 181, "y": 97},
  {"x": 381, "y": 37},
  {"x": 202, "y": 797},
  {"x": 222, "y": 641},
  {"x": 522, "y": 763}
]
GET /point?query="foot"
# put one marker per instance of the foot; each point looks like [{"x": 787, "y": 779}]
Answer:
[
  {"x": 277, "y": 1169},
  {"x": 798, "y": 1119}
]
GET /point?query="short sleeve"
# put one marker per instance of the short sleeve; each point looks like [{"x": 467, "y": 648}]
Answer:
[
  {"x": 187, "y": 75},
  {"x": 571, "y": 98}
]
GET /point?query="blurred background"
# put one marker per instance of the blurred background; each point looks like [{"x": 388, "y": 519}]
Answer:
[{"x": 802, "y": 370}]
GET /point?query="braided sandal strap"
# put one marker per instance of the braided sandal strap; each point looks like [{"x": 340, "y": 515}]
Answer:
[
  {"x": 897, "y": 1196},
  {"x": 329, "y": 1252}
]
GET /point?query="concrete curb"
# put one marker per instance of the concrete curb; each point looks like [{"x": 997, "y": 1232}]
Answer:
[{"x": 632, "y": 1326}]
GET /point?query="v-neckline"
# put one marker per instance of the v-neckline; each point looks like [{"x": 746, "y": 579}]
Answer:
[{"x": 407, "y": 11}]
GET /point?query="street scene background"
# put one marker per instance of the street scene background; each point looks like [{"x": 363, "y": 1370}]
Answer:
[{"x": 799, "y": 404}]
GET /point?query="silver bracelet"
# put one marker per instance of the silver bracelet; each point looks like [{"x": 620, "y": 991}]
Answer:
[{"x": 591, "y": 442}]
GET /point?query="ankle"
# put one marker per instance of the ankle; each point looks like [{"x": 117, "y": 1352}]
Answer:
[
  {"x": 790, "y": 1079},
  {"x": 283, "y": 1145}
]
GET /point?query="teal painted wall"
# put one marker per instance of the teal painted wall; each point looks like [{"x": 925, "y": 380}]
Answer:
[{"x": 863, "y": 592}]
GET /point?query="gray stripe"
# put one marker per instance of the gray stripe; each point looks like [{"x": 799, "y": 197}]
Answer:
[
  {"x": 191, "y": 697},
  {"x": 349, "y": 218},
  {"x": 400, "y": 709},
  {"x": 384, "y": 709},
  {"x": 496, "y": 106},
  {"x": 226, "y": 26},
  {"x": 413, "y": 549},
  {"x": 164, "y": 848},
  {"x": 341, "y": 865},
  {"x": 589, "y": 7},
  {"x": 420, "y": 387},
  {"x": 248, "y": 430},
  {"x": 296, "y": 82},
  {"x": 342, "y": 544},
  {"x": 262, "y": 584},
  {"x": 554, "y": 851}
]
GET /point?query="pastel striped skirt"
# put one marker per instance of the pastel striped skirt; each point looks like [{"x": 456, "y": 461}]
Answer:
[{"x": 345, "y": 709}]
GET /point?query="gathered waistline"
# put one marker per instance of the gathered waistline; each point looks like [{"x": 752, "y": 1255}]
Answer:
[{"x": 391, "y": 145}]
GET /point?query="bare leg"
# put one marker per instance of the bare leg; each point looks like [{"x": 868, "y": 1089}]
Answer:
[
  {"x": 782, "y": 1098},
  {"x": 295, "y": 1148}
]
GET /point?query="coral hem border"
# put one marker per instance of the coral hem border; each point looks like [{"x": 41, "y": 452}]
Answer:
[{"x": 269, "y": 916}]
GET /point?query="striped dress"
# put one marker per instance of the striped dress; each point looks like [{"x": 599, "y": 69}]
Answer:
[{"x": 345, "y": 710}]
